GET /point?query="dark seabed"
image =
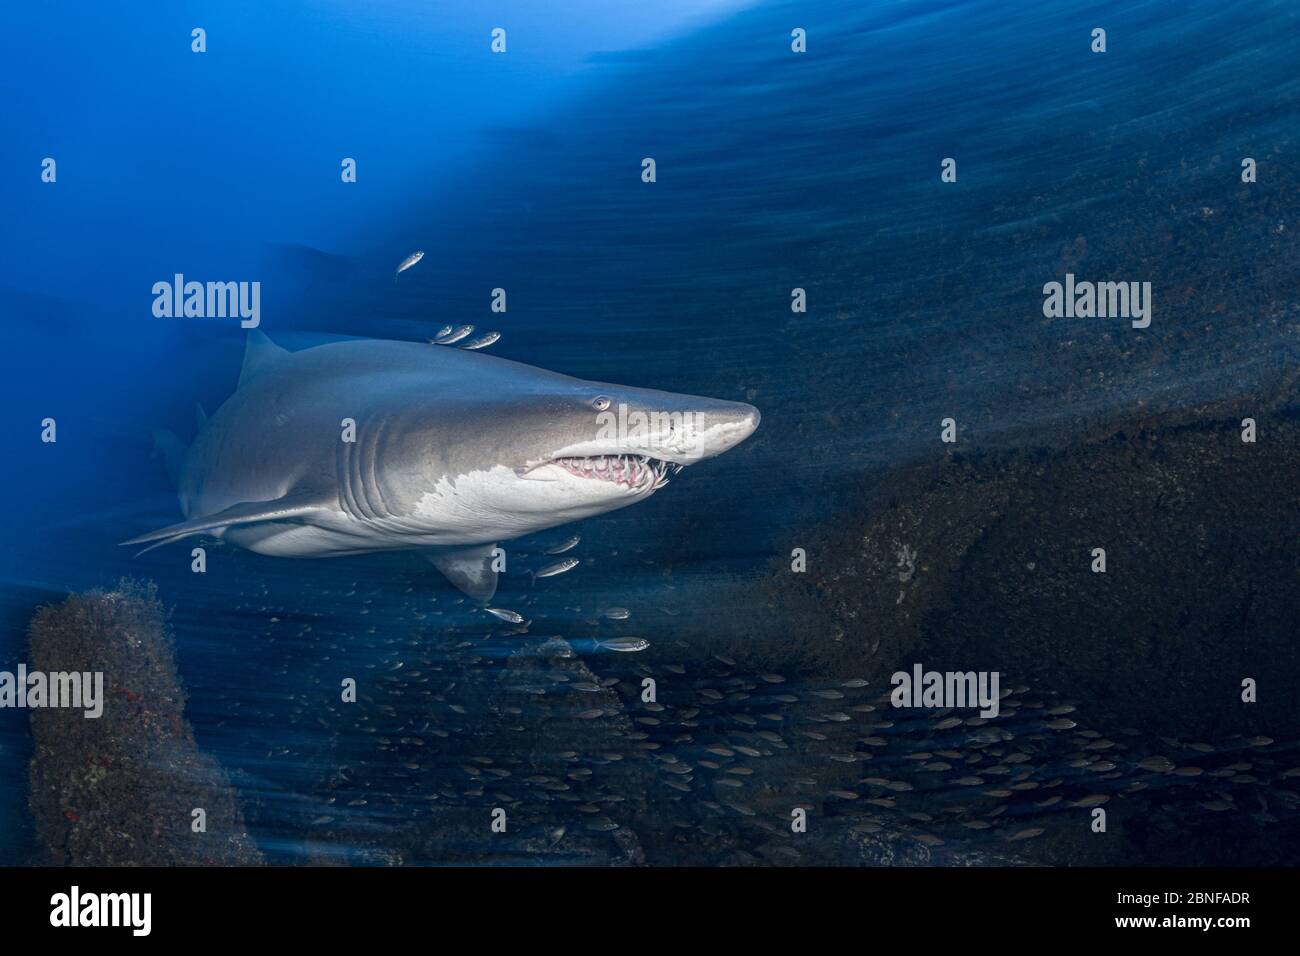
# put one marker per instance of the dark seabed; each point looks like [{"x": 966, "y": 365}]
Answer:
[{"x": 774, "y": 171}]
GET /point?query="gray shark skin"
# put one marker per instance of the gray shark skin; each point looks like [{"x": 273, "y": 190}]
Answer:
[{"x": 453, "y": 452}]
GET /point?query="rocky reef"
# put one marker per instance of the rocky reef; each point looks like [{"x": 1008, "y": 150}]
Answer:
[
  {"x": 121, "y": 789},
  {"x": 986, "y": 562}
]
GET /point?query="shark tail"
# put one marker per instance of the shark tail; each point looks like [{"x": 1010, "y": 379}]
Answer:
[
  {"x": 289, "y": 508},
  {"x": 159, "y": 544}
]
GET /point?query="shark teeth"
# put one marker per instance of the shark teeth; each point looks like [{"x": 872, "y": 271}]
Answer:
[{"x": 637, "y": 472}]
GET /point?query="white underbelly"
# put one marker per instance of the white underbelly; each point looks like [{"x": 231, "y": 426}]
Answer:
[{"x": 290, "y": 540}]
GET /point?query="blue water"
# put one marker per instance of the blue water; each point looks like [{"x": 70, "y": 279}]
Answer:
[{"x": 523, "y": 171}]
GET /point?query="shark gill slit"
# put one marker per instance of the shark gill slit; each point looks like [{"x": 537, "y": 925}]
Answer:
[
  {"x": 348, "y": 498},
  {"x": 370, "y": 486}
]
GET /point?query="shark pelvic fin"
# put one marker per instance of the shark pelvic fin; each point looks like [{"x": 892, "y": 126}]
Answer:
[
  {"x": 260, "y": 353},
  {"x": 249, "y": 512},
  {"x": 470, "y": 569}
]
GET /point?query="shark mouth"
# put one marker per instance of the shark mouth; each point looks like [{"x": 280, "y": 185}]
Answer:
[{"x": 637, "y": 472}]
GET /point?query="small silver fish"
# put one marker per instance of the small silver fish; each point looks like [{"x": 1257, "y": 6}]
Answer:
[
  {"x": 617, "y": 613},
  {"x": 514, "y": 617},
  {"x": 445, "y": 330},
  {"x": 624, "y": 645},
  {"x": 482, "y": 341},
  {"x": 409, "y": 261},
  {"x": 559, "y": 567},
  {"x": 567, "y": 545},
  {"x": 455, "y": 336}
]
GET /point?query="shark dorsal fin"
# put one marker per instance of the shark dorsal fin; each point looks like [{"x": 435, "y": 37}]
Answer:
[
  {"x": 259, "y": 354},
  {"x": 470, "y": 569}
]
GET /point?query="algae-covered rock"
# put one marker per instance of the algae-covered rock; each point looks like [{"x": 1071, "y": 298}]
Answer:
[{"x": 121, "y": 789}]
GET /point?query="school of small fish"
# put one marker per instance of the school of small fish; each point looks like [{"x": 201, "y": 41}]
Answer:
[{"x": 606, "y": 747}]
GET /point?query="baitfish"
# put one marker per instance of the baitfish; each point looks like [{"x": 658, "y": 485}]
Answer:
[
  {"x": 559, "y": 567},
  {"x": 482, "y": 341},
  {"x": 409, "y": 261}
]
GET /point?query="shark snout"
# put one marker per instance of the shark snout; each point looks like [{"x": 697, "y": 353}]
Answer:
[
  {"x": 696, "y": 429},
  {"x": 724, "y": 427},
  {"x": 658, "y": 427}
]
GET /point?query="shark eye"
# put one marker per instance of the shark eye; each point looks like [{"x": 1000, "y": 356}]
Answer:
[{"x": 600, "y": 403}]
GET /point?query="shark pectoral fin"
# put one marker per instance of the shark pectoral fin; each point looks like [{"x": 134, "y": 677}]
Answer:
[
  {"x": 470, "y": 569},
  {"x": 248, "y": 512}
]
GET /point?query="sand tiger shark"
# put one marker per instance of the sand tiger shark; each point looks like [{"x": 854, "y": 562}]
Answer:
[{"x": 370, "y": 445}]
